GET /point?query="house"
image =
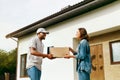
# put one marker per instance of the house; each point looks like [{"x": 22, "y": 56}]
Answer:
[{"x": 101, "y": 18}]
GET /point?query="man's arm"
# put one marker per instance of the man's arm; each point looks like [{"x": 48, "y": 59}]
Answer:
[{"x": 36, "y": 53}]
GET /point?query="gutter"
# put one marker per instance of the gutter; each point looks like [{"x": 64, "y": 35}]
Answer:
[
  {"x": 63, "y": 15},
  {"x": 14, "y": 39}
]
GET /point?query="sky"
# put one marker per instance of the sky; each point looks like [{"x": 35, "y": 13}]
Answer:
[{"x": 15, "y": 14}]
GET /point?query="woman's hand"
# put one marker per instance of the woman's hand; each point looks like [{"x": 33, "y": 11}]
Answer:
[
  {"x": 74, "y": 52},
  {"x": 70, "y": 49},
  {"x": 67, "y": 56}
]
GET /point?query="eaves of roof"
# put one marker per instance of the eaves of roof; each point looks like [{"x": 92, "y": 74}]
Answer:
[
  {"x": 67, "y": 13},
  {"x": 105, "y": 31}
]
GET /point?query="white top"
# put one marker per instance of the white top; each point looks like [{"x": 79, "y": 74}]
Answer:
[{"x": 33, "y": 60}]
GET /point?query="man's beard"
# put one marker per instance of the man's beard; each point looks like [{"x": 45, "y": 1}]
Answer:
[{"x": 43, "y": 38}]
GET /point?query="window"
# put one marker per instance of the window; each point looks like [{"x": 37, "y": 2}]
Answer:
[
  {"x": 23, "y": 72},
  {"x": 115, "y": 52}
]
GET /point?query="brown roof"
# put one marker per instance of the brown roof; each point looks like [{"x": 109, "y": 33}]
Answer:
[{"x": 69, "y": 12}]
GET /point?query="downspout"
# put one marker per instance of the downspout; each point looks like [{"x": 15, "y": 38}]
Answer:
[{"x": 16, "y": 55}]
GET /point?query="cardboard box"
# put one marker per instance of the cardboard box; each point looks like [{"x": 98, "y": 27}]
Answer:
[{"x": 59, "y": 52}]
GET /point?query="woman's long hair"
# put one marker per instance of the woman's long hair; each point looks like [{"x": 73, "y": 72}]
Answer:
[{"x": 83, "y": 34}]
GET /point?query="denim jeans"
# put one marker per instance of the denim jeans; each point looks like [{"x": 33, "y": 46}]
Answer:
[
  {"x": 34, "y": 73},
  {"x": 83, "y": 75}
]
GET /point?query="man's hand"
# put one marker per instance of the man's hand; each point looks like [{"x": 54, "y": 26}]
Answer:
[{"x": 50, "y": 56}]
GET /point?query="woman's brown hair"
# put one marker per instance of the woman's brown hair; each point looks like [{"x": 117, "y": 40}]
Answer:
[{"x": 83, "y": 34}]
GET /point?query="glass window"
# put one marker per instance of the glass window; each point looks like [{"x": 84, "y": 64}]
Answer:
[
  {"x": 115, "y": 51},
  {"x": 23, "y": 72}
]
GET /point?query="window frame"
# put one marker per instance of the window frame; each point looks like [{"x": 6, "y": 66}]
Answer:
[
  {"x": 111, "y": 52},
  {"x": 21, "y": 65}
]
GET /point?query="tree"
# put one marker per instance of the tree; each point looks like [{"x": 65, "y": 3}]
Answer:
[
  {"x": 3, "y": 57},
  {"x": 12, "y": 60},
  {"x": 8, "y": 61}
]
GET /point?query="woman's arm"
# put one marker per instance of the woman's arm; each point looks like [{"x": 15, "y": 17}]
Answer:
[{"x": 74, "y": 52}]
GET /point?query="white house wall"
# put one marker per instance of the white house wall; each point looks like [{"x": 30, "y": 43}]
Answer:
[{"x": 62, "y": 34}]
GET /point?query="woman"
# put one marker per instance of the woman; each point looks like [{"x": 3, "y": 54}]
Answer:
[{"x": 82, "y": 55}]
